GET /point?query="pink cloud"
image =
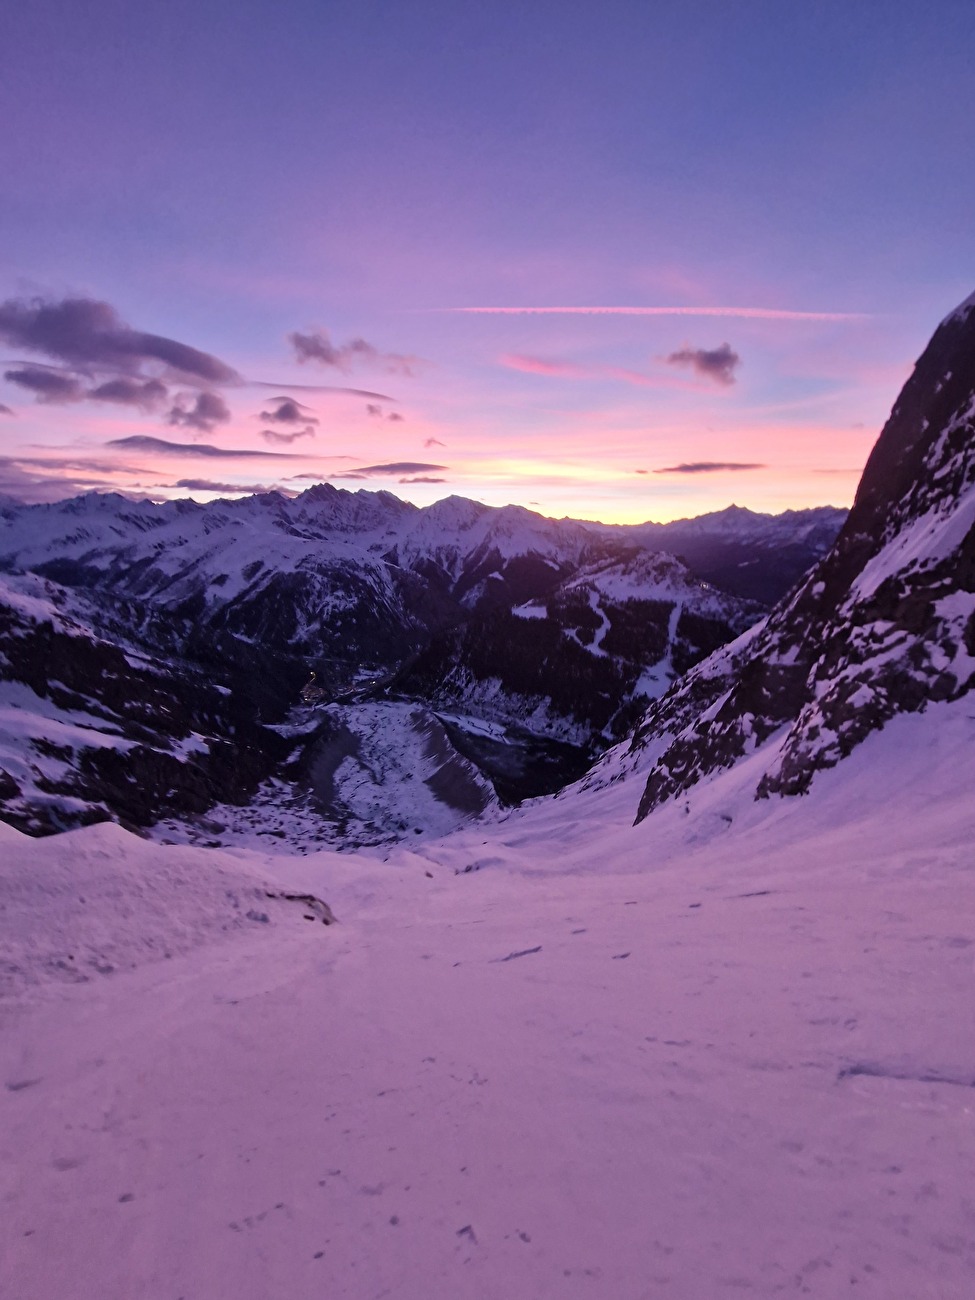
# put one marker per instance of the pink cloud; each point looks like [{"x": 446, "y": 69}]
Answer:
[
  {"x": 571, "y": 370},
  {"x": 539, "y": 366},
  {"x": 747, "y": 313}
]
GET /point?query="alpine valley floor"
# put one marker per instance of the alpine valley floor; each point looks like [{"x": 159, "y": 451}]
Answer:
[{"x": 728, "y": 1051}]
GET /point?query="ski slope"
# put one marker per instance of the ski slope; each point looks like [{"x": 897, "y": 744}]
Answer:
[{"x": 729, "y": 1051}]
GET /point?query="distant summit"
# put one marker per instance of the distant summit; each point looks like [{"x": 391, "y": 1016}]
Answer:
[{"x": 745, "y": 553}]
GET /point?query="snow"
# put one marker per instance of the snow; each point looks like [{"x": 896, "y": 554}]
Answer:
[
  {"x": 475, "y": 726},
  {"x": 38, "y": 741},
  {"x": 29, "y": 605},
  {"x": 384, "y": 770},
  {"x": 927, "y": 539},
  {"x": 658, "y": 678},
  {"x": 530, "y": 611},
  {"x": 234, "y": 548},
  {"x": 961, "y": 313},
  {"x": 729, "y": 1050}
]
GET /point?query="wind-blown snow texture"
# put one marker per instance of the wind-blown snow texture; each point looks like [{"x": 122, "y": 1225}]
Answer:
[
  {"x": 720, "y": 1053},
  {"x": 885, "y": 623}
]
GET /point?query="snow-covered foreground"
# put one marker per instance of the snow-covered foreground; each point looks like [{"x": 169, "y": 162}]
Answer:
[{"x": 695, "y": 1058}]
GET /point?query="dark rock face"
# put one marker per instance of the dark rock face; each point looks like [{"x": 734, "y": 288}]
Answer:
[
  {"x": 133, "y": 738},
  {"x": 882, "y": 625}
]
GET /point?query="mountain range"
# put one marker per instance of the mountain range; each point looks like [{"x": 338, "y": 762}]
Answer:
[{"x": 164, "y": 648}]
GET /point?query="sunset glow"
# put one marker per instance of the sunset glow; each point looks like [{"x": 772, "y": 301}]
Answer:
[{"x": 421, "y": 249}]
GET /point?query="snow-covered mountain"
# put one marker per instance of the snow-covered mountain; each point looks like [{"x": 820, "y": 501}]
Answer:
[
  {"x": 760, "y": 557},
  {"x": 330, "y": 573},
  {"x": 581, "y": 664},
  {"x": 884, "y": 624},
  {"x": 558, "y": 632}
]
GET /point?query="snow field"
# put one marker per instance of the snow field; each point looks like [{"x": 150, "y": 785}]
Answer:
[{"x": 728, "y": 1051}]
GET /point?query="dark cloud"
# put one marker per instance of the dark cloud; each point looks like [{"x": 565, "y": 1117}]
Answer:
[
  {"x": 90, "y": 335},
  {"x": 5, "y": 410},
  {"x": 55, "y": 384},
  {"x": 377, "y": 413},
  {"x": 287, "y": 411},
  {"x": 145, "y": 394},
  {"x": 65, "y": 461},
  {"x": 642, "y": 471},
  {"x": 317, "y": 346},
  {"x": 434, "y": 442},
  {"x": 718, "y": 363},
  {"x": 47, "y": 384},
  {"x": 204, "y": 411},
  {"x": 423, "y": 479},
  {"x": 142, "y": 442},
  {"x": 401, "y": 467},
  {"x": 228, "y": 489},
  {"x": 285, "y": 439},
  {"x": 359, "y": 477},
  {"x": 706, "y": 467}
]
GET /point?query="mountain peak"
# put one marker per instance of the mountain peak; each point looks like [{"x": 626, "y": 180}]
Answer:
[{"x": 962, "y": 311}]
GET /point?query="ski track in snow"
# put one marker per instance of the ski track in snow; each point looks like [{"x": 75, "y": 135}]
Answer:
[{"x": 735, "y": 1053}]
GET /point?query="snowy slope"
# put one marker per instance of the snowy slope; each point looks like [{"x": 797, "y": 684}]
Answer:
[{"x": 691, "y": 1058}]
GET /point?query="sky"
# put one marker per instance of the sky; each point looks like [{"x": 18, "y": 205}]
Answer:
[{"x": 620, "y": 261}]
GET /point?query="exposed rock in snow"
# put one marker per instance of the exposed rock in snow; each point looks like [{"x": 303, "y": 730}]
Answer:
[
  {"x": 581, "y": 664},
  {"x": 91, "y": 730}
]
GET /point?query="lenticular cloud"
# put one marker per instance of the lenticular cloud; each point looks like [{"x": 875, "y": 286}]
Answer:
[{"x": 90, "y": 334}]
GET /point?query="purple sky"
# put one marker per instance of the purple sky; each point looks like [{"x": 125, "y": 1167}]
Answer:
[{"x": 240, "y": 235}]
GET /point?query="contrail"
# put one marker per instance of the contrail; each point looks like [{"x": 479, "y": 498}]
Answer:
[{"x": 748, "y": 313}]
